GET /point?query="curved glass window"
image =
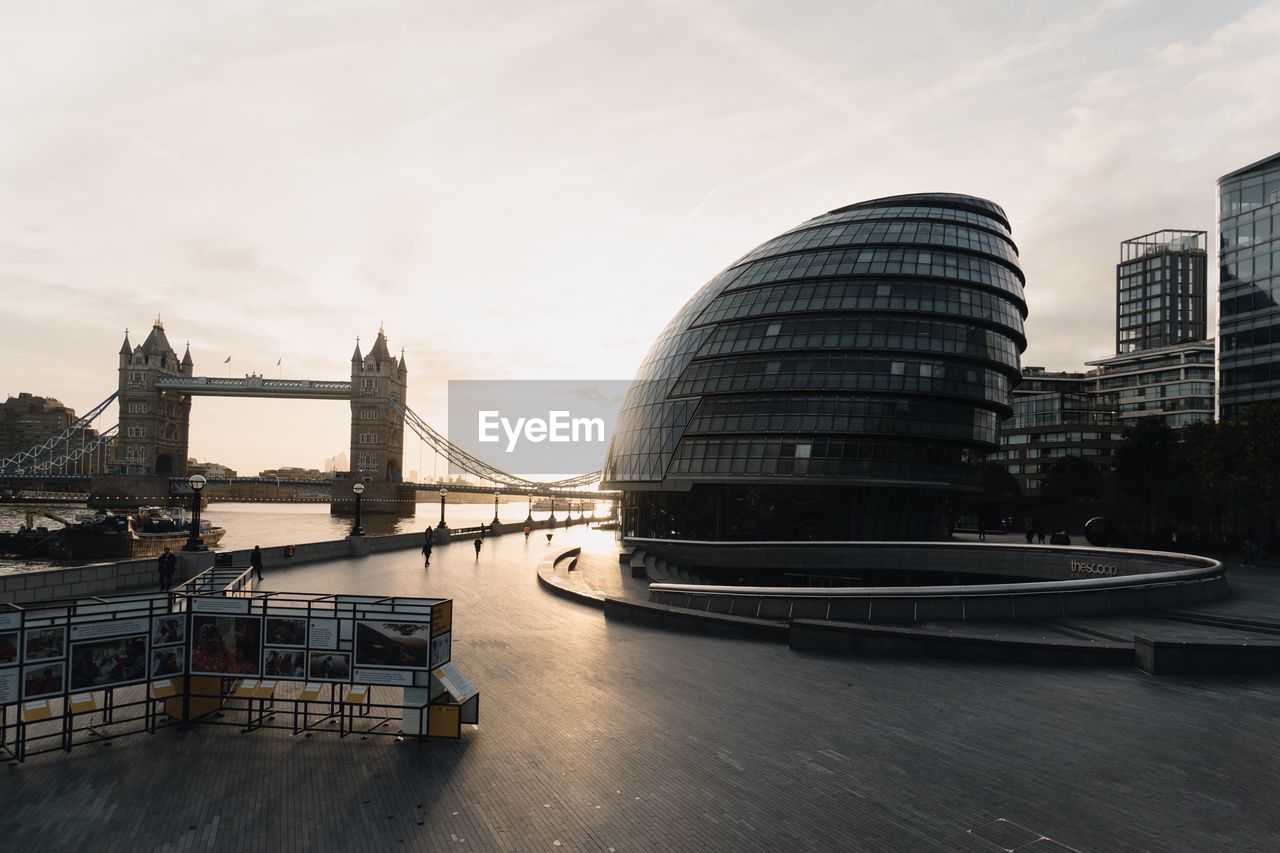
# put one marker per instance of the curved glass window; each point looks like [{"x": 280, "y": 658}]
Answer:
[
  {"x": 881, "y": 261},
  {"x": 844, "y": 413},
  {"x": 890, "y": 232},
  {"x": 865, "y": 295},
  {"x": 823, "y": 456},
  {"x": 843, "y": 371},
  {"x": 875, "y": 332},
  {"x": 946, "y": 214}
]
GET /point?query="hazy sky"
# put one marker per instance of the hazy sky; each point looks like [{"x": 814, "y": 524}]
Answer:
[{"x": 533, "y": 189}]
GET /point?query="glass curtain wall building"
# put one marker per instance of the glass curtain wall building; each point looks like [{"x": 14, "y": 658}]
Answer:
[
  {"x": 1249, "y": 290},
  {"x": 1056, "y": 415},
  {"x": 1161, "y": 290},
  {"x": 1173, "y": 383},
  {"x": 841, "y": 381}
]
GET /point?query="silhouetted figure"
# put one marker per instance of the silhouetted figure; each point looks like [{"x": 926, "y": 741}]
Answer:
[
  {"x": 168, "y": 564},
  {"x": 255, "y": 560},
  {"x": 527, "y": 531},
  {"x": 479, "y": 541},
  {"x": 1040, "y": 536}
]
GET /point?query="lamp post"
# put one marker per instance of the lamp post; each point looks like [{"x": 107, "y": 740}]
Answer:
[
  {"x": 193, "y": 538},
  {"x": 528, "y": 519},
  {"x": 496, "y": 495},
  {"x": 358, "y": 488},
  {"x": 444, "y": 493},
  {"x": 553, "y": 510}
]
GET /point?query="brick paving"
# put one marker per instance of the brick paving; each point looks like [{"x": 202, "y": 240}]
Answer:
[{"x": 603, "y": 736}]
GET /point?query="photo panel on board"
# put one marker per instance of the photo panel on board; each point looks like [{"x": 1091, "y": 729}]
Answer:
[
  {"x": 167, "y": 661},
  {"x": 226, "y": 645},
  {"x": 43, "y": 679},
  {"x": 168, "y": 629},
  {"x": 383, "y": 642},
  {"x": 109, "y": 662},
  {"x": 328, "y": 666},
  {"x": 45, "y": 643},
  {"x": 285, "y": 663}
]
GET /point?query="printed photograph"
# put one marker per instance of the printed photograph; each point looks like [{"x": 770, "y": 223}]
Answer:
[
  {"x": 287, "y": 630},
  {"x": 440, "y": 649},
  {"x": 166, "y": 662},
  {"x": 102, "y": 663},
  {"x": 8, "y": 647},
  {"x": 405, "y": 644},
  {"x": 166, "y": 630},
  {"x": 42, "y": 680},
  {"x": 329, "y": 666},
  {"x": 230, "y": 644},
  {"x": 46, "y": 643},
  {"x": 284, "y": 663}
]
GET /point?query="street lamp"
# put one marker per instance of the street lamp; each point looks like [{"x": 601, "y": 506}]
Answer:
[
  {"x": 444, "y": 493},
  {"x": 193, "y": 538},
  {"x": 528, "y": 519},
  {"x": 553, "y": 511},
  {"x": 358, "y": 488},
  {"x": 496, "y": 495}
]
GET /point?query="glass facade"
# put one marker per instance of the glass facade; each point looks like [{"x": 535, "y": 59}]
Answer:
[
  {"x": 862, "y": 361},
  {"x": 1056, "y": 415},
  {"x": 1173, "y": 383},
  {"x": 1249, "y": 288},
  {"x": 1161, "y": 290}
]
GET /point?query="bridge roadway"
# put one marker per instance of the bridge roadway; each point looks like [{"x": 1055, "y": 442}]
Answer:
[{"x": 603, "y": 736}]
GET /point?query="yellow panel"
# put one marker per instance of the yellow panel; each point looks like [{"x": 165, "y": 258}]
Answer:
[
  {"x": 441, "y": 618},
  {"x": 442, "y": 721}
]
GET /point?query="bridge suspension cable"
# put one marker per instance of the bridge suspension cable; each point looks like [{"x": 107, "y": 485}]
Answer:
[
  {"x": 478, "y": 467},
  {"x": 58, "y": 451}
]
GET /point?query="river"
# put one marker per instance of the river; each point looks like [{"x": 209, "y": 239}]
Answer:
[{"x": 267, "y": 524}]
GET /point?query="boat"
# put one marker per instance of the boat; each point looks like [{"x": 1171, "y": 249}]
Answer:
[{"x": 144, "y": 532}]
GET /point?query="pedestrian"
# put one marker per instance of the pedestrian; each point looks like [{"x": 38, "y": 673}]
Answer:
[
  {"x": 1250, "y": 552},
  {"x": 426, "y": 553},
  {"x": 255, "y": 561},
  {"x": 168, "y": 563},
  {"x": 527, "y": 531},
  {"x": 1040, "y": 535},
  {"x": 430, "y": 535},
  {"x": 479, "y": 541},
  {"x": 1026, "y": 528}
]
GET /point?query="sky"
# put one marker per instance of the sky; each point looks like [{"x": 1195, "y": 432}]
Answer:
[{"x": 531, "y": 190}]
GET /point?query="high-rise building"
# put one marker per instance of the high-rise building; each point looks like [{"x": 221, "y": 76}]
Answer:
[
  {"x": 1056, "y": 415},
  {"x": 1249, "y": 292},
  {"x": 1161, "y": 293},
  {"x": 1173, "y": 383}
]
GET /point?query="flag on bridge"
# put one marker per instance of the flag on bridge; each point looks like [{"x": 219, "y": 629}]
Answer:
[{"x": 228, "y": 360}]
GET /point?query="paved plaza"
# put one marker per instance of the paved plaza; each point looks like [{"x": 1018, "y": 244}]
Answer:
[{"x": 602, "y": 736}]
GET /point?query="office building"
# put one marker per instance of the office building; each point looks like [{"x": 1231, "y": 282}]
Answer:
[
  {"x": 842, "y": 381},
  {"x": 1249, "y": 290},
  {"x": 1161, "y": 290}
]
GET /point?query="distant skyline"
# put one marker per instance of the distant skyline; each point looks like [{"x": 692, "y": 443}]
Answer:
[{"x": 533, "y": 190}]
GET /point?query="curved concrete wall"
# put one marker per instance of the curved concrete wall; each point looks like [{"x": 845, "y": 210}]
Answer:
[{"x": 1072, "y": 581}]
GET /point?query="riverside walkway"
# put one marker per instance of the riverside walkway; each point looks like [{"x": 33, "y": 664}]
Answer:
[{"x": 604, "y": 736}]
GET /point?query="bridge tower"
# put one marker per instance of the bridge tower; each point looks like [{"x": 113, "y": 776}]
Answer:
[
  {"x": 154, "y": 424},
  {"x": 151, "y": 445},
  {"x": 377, "y": 432}
]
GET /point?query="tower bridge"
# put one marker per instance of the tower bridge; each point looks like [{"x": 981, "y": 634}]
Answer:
[{"x": 146, "y": 453}]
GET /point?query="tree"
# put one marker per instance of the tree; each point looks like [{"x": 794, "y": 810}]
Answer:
[
  {"x": 1146, "y": 465},
  {"x": 1073, "y": 479}
]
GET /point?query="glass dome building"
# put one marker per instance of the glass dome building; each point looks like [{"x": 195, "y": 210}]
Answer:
[{"x": 843, "y": 380}]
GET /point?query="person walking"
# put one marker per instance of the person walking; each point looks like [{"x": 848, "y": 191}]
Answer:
[
  {"x": 527, "y": 531},
  {"x": 255, "y": 561},
  {"x": 168, "y": 564},
  {"x": 479, "y": 541},
  {"x": 426, "y": 552}
]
